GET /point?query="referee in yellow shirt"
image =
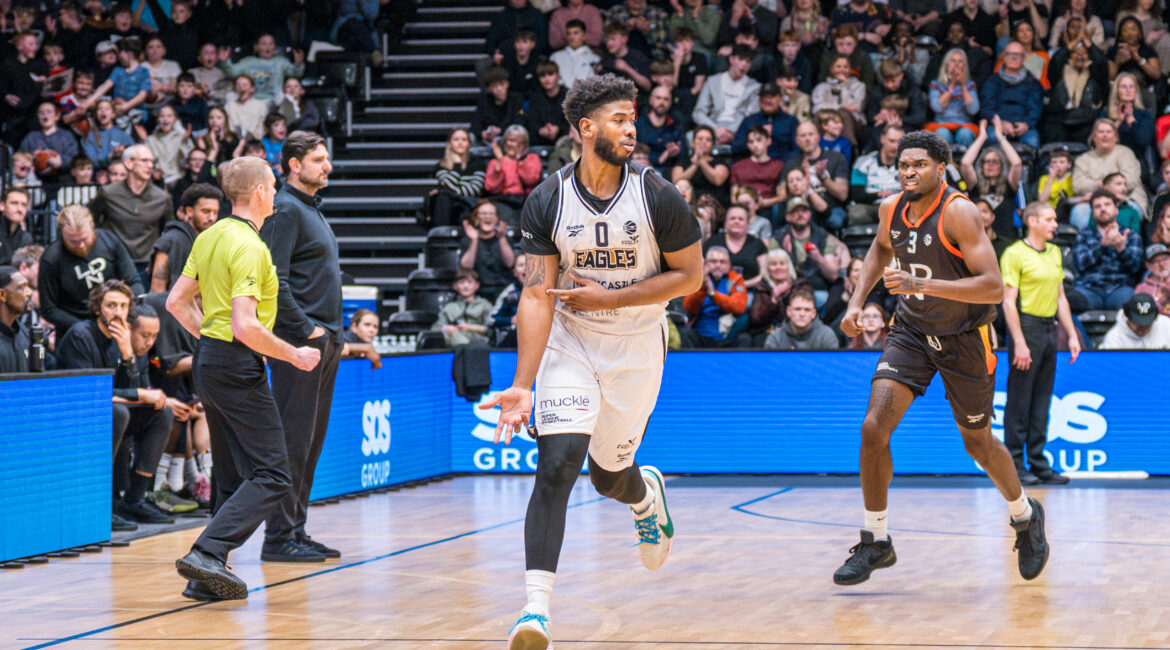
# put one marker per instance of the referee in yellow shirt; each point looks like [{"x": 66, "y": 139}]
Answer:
[
  {"x": 231, "y": 267},
  {"x": 1033, "y": 273}
]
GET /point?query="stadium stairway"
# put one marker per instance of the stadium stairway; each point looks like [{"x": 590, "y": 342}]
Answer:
[{"x": 391, "y": 136}]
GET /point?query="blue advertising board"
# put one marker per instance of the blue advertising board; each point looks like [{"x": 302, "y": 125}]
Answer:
[
  {"x": 801, "y": 412},
  {"x": 56, "y": 461},
  {"x": 387, "y": 426}
]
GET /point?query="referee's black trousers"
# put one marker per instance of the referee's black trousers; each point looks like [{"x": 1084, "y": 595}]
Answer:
[
  {"x": 233, "y": 383},
  {"x": 304, "y": 400},
  {"x": 1029, "y": 395}
]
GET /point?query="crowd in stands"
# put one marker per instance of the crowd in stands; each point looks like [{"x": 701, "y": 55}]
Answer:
[
  {"x": 113, "y": 122},
  {"x": 778, "y": 121}
]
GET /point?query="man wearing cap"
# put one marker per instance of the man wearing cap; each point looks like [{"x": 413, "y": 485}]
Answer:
[
  {"x": 107, "y": 59},
  {"x": 1157, "y": 283},
  {"x": 818, "y": 255},
  {"x": 15, "y": 301},
  {"x": 1139, "y": 327},
  {"x": 779, "y": 124}
]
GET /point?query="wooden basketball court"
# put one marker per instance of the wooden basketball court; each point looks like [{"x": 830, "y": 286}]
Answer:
[{"x": 441, "y": 566}]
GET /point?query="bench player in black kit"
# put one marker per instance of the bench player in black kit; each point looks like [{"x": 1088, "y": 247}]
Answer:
[{"x": 947, "y": 280}]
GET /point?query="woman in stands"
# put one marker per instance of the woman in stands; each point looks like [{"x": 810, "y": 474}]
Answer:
[
  {"x": 1106, "y": 157},
  {"x": 1092, "y": 32},
  {"x": 770, "y": 297},
  {"x": 707, "y": 173},
  {"x": 1131, "y": 54},
  {"x": 220, "y": 143},
  {"x": 748, "y": 253},
  {"x": 1075, "y": 99},
  {"x": 1135, "y": 125},
  {"x": 486, "y": 250},
  {"x": 873, "y": 329},
  {"x": 513, "y": 173},
  {"x": 459, "y": 177},
  {"x": 988, "y": 179},
  {"x": 363, "y": 327}
]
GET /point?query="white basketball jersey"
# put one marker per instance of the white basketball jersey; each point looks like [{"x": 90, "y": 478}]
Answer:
[{"x": 616, "y": 248}]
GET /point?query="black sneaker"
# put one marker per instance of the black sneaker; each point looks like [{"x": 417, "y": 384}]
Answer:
[
  {"x": 1031, "y": 544},
  {"x": 290, "y": 551},
  {"x": 199, "y": 591},
  {"x": 212, "y": 574},
  {"x": 330, "y": 553},
  {"x": 1052, "y": 478},
  {"x": 866, "y": 556},
  {"x": 142, "y": 512},
  {"x": 1028, "y": 478},
  {"x": 120, "y": 525}
]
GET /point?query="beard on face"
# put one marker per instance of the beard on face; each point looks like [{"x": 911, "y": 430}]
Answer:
[
  {"x": 609, "y": 151},
  {"x": 320, "y": 182}
]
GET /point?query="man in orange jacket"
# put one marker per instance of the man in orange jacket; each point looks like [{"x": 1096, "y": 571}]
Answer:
[{"x": 715, "y": 306}]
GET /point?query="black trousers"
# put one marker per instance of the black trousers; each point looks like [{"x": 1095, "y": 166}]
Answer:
[
  {"x": 148, "y": 429},
  {"x": 1029, "y": 395},
  {"x": 233, "y": 383},
  {"x": 304, "y": 400}
]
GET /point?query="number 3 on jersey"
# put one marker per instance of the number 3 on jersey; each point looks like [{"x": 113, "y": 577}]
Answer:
[{"x": 912, "y": 245}]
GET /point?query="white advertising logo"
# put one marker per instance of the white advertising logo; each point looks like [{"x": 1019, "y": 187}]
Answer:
[
  {"x": 376, "y": 441},
  {"x": 499, "y": 456},
  {"x": 1074, "y": 418}
]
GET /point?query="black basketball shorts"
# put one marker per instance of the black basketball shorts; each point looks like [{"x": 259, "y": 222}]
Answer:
[{"x": 965, "y": 361}]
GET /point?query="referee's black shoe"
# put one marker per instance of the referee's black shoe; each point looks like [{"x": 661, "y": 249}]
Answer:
[
  {"x": 330, "y": 553},
  {"x": 1052, "y": 477},
  {"x": 290, "y": 551},
  {"x": 199, "y": 591},
  {"x": 213, "y": 574},
  {"x": 867, "y": 555},
  {"x": 1031, "y": 544}
]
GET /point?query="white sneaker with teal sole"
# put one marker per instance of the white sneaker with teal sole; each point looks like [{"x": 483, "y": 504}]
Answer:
[
  {"x": 531, "y": 632},
  {"x": 655, "y": 528}
]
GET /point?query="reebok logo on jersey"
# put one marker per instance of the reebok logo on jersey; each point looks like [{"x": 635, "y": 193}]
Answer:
[
  {"x": 886, "y": 366},
  {"x": 975, "y": 419},
  {"x": 895, "y": 233},
  {"x": 525, "y": 234},
  {"x": 606, "y": 258},
  {"x": 574, "y": 230}
]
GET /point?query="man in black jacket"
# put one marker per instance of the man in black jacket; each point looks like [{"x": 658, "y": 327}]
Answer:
[
  {"x": 12, "y": 227},
  {"x": 81, "y": 259},
  {"x": 305, "y": 253},
  {"x": 544, "y": 117},
  {"x": 142, "y": 412},
  {"x": 15, "y": 300}
]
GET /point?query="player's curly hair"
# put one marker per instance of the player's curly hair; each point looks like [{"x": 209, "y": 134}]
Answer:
[
  {"x": 936, "y": 147},
  {"x": 588, "y": 95}
]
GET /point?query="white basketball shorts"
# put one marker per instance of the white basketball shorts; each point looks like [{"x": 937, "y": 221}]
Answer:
[{"x": 603, "y": 385}]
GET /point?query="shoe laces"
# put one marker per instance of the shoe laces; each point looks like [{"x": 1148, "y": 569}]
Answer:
[
  {"x": 647, "y": 528},
  {"x": 526, "y": 617},
  {"x": 860, "y": 552}
]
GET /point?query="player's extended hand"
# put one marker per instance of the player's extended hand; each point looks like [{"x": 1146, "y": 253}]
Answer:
[
  {"x": 587, "y": 296},
  {"x": 901, "y": 283},
  {"x": 306, "y": 358},
  {"x": 1022, "y": 356},
  {"x": 515, "y": 406},
  {"x": 851, "y": 321}
]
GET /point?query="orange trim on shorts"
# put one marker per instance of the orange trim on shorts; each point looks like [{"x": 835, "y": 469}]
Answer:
[
  {"x": 988, "y": 353},
  {"x": 941, "y": 235},
  {"x": 942, "y": 190}
]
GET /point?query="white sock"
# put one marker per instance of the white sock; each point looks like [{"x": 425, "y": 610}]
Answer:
[
  {"x": 642, "y": 507},
  {"x": 190, "y": 471},
  {"x": 1020, "y": 508},
  {"x": 539, "y": 585},
  {"x": 160, "y": 474},
  {"x": 875, "y": 522},
  {"x": 175, "y": 473}
]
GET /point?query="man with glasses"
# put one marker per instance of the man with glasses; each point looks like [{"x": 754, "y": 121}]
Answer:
[
  {"x": 135, "y": 210},
  {"x": 1015, "y": 96}
]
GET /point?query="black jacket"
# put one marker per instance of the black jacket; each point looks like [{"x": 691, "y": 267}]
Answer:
[
  {"x": 65, "y": 280},
  {"x": 542, "y": 109},
  {"x": 487, "y": 113},
  {"x": 11, "y": 240},
  {"x": 85, "y": 347},
  {"x": 14, "y": 344},
  {"x": 305, "y": 253}
]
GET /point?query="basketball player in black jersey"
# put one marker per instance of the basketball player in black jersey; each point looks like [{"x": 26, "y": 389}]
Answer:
[{"x": 947, "y": 281}]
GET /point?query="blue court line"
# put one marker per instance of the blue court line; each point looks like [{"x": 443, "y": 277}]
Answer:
[
  {"x": 742, "y": 507},
  {"x": 340, "y": 567}
]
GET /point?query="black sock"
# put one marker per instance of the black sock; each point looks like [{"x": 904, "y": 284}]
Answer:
[{"x": 138, "y": 486}]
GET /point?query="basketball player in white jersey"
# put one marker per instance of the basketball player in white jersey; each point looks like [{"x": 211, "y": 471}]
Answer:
[{"x": 608, "y": 244}]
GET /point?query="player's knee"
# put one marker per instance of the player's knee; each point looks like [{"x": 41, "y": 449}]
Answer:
[
  {"x": 978, "y": 444},
  {"x": 874, "y": 433},
  {"x": 607, "y": 483},
  {"x": 557, "y": 472}
]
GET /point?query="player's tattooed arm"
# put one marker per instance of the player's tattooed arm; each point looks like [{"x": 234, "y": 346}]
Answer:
[{"x": 534, "y": 272}]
